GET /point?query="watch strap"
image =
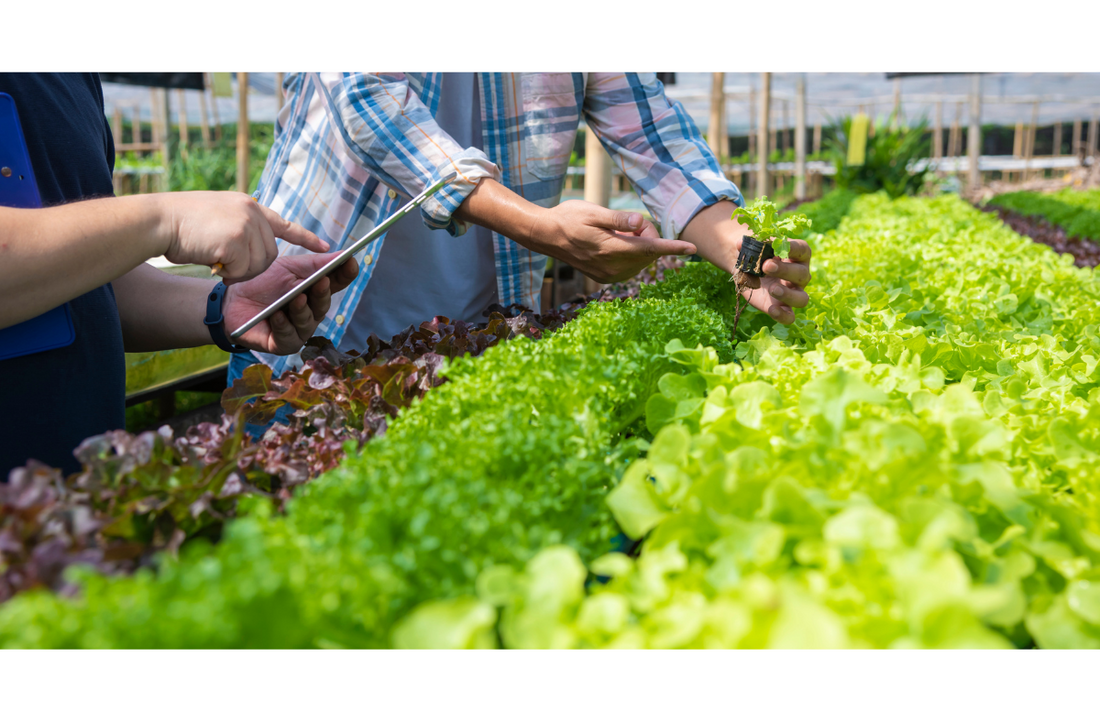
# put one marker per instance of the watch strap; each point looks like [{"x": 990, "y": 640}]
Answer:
[{"x": 215, "y": 320}]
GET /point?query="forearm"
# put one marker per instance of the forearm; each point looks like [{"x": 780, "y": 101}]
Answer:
[
  {"x": 52, "y": 255},
  {"x": 712, "y": 230},
  {"x": 493, "y": 206},
  {"x": 161, "y": 311}
]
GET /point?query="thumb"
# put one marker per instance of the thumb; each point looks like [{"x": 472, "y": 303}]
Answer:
[
  {"x": 621, "y": 221},
  {"x": 292, "y": 232}
]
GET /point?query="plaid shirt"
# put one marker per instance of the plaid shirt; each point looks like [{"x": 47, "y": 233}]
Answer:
[{"x": 352, "y": 148}]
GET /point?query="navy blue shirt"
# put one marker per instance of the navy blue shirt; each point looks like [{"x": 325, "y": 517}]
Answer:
[{"x": 54, "y": 399}]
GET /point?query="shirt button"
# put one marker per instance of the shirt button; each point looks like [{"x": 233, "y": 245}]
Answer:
[
  {"x": 339, "y": 319},
  {"x": 367, "y": 259},
  {"x": 392, "y": 194}
]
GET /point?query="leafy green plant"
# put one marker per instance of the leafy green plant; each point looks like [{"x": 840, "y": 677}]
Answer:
[
  {"x": 768, "y": 226},
  {"x": 892, "y": 153},
  {"x": 910, "y": 464},
  {"x": 1078, "y": 212},
  {"x": 214, "y": 167}
]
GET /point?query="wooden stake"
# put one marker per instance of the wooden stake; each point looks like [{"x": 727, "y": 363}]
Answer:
[
  {"x": 1075, "y": 142},
  {"x": 800, "y": 138},
  {"x": 1029, "y": 141},
  {"x": 242, "y": 132},
  {"x": 724, "y": 136},
  {"x": 214, "y": 107},
  {"x": 786, "y": 128},
  {"x": 1093, "y": 140},
  {"x": 714, "y": 125},
  {"x": 974, "y": 135},
  {"x": 185, "y": 132},
  {"x": 1018, "y": 140},
  {"x": 154, "y": 115},
  {"x": 897, "y": 104},
  {"x": 762, "y": 139},
  {"x": 937, "y": 132},
  {"x": 597, "y": 183},
  {"x": 205, "y": 119},
  {"x": 1057, "y": 151},
  {"x": 954, "y": 138}
]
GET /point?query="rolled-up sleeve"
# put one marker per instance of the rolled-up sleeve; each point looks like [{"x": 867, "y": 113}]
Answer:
[
  {"x": 384, "y": 125},
  {"x": 657, "y": 146}
]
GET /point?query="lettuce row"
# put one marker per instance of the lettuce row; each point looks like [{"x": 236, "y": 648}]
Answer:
[
  {"x": 515, "y": 454},
  {"x": 1078, "y": 212},
  {"x": 911, "y": 466}
]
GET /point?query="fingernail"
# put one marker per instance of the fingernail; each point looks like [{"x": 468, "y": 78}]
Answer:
[
  {"x": 634, "y": 219},
  {"x": 325, "y": 246},
  {"x": 776, "y": 291}
]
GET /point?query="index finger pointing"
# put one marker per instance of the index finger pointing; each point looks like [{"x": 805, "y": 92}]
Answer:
[{"x": 292, "y": 232}]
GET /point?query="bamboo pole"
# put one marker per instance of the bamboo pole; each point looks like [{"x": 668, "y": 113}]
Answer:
[
  {"x": 937, "y": 132},
  {"x": 714, "y": 125},
  {"x": 185, "y": 132},
  {"x": 974, "y": 135},
  {"x": 165, "y": 128},
  {"x": 724, "y": 136},
  {"x": 762, "y": 140},
  {"x": 1029, "y": 141},
  {"x": 1057, "y": 147},
  {"x": 154, "y": 116},
  {"x": 204, "y": 116},
  {"x": 242, "y": 132},
  {"x": 597, "y": 183},
  {"x": 214, "y": 107},
  {"x": 800, "y": 138},
  {"x": 897, "y": 104},
  {"x": 1018, "y": 140},
  {"x": 1093, "y": 139},
  {"x": 1075, "y": 143},
  {"x": 783, "y": 132}
]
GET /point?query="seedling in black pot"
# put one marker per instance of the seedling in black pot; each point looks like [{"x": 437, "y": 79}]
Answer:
[{"x": 770, "y": 238}]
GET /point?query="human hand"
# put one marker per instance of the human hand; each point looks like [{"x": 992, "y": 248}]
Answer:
[
  {"x": 780, "y": 290},
  {"x": 228, "y": 229},
  {"x": 287, "y": 330},
  {"x": 782, "y": 287},
  {"x": 605, "y": 245}
]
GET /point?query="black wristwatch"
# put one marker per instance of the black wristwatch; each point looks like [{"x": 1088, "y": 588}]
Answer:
[{"x": 215, "y": 320}]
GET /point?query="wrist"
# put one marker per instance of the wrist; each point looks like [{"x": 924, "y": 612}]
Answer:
[
  {"x": 215, "y": 319},
  {"x": 716, "y": 235},
  {"x": 161, "y": 222},
  {"x": 543, "y": 233}
]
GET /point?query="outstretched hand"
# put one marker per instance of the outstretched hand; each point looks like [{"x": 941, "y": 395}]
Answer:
[
  {"x": 605, "y": 245},
  {"x": 287, "y": 330}
]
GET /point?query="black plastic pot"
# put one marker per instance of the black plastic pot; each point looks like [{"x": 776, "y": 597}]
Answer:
[{"x": 752, "y": 256}]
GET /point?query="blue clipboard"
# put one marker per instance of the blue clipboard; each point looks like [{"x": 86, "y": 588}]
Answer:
[{"x": 18, "y": 189}]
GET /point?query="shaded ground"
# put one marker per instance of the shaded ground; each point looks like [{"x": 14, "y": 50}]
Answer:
[{"x": 1085, "y": 251}]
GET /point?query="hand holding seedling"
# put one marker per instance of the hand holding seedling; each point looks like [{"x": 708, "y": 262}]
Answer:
[{"x": 718, "y": 234}]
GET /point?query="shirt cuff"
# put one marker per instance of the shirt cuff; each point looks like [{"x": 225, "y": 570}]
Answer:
[
  {"x": 677, "y": 216},
  {"x": 468, "y": 169}
]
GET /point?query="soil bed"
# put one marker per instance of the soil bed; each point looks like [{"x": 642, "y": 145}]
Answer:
[{"x": 1085, "y": 251}]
